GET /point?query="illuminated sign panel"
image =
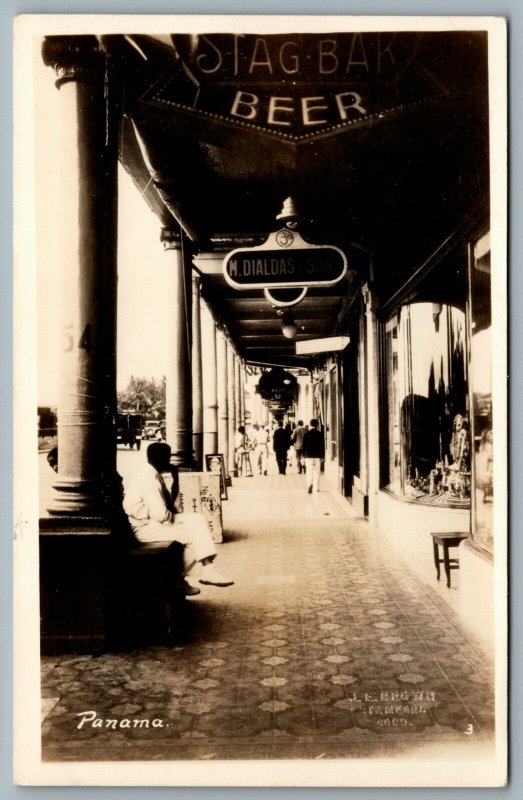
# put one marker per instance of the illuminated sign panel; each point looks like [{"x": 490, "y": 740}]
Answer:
[
  {"x": 328, "y": 345},
  {"x": 284, "y": 260}
]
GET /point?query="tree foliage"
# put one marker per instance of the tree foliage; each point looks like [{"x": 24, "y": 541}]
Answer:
[{"x": 143, "y": 396}]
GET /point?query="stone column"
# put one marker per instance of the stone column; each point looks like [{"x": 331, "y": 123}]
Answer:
[
  {"x": 242, "y": 390},
  {"x": 240, "y": 419},
  {"x": 222, "y": 397},
  {"x": 197, "y": 384},
  {"x": 179, "y": 378},
  {"x": 373, "y": 417},
  {"x": 231, "y": 402},
  {"x": 257, "y": 408},
  {"x": 210, "y": 388},
  {"x": 363, "y": 405},
  {"x": 88, "y": 223}
]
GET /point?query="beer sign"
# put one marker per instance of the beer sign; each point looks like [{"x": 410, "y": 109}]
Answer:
[
  {"x": 294, "y": 86},
  {"x": 285, "y": 260}
]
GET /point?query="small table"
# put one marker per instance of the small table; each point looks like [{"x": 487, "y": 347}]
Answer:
[{"x": 447, "y": 540}]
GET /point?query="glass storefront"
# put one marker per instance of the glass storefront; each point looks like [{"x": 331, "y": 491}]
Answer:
[
  {"x": 428, "y": 410},
  {"x": 481, "y": 370},
  {"x": 333, "y": 414}
]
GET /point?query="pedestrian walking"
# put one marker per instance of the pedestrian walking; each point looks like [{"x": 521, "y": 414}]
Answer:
[
  {"x": 281, "y": 443},
  {"x": 297, "y": 442},
  {"x": 261, "y": 448},
  {"x": 313, "y": 450}
]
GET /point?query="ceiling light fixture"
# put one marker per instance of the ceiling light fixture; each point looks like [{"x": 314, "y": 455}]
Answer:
[{"x": 288, "y": 326}]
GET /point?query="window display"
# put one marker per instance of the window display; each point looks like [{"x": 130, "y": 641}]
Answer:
[
  {"x": 428, "y": 410},
  {"x": 481, "y": 361}
]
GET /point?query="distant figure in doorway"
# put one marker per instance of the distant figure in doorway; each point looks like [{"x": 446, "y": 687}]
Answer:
[
  {"x": 155, "y": 516},
  {"x": 241, "y": 445},
  {"x": 261, "y": 448},
  {"x": 297, "y": 442},
  {"x": 313, "y": 452},
  {"x": 281, "y": 443}
]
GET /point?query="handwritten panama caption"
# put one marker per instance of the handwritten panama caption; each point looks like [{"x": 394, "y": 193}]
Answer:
[{"x": 91, "y": 719}]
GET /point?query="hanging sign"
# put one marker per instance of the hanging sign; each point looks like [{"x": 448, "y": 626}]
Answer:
[
  {"x": 284, "y": 260},
  {"x": 327, "y": 345}
]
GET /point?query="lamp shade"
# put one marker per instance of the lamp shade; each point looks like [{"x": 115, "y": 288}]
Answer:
[{"x": 288, "y": 329}]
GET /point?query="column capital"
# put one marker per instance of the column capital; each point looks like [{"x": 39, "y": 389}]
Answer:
[
  {"x": 171, "y": 238},
  {"x": 73, "y": 58},
  {"x": 370, "y": 299}
]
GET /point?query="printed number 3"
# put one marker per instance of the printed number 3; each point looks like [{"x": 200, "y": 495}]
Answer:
[
  {"x": 470, "y": 729},
  {"x": 85, "y": 342}
]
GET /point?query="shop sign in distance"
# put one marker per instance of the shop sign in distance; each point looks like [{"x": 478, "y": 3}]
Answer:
[{"x": 285, "y": 260}]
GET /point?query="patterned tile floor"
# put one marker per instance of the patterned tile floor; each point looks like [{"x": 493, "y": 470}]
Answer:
[{"x": 327, "y": 646}]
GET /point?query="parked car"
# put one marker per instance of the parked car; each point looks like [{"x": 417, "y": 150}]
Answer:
[{"x": 153, "y": 428}]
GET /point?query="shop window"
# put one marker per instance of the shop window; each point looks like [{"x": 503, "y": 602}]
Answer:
[
  {"x": 333, "y": 416},
  {"x": 481, "y": 372},
  {"x": 427, "y": 399},
  {"x": 327, "y": 432}
]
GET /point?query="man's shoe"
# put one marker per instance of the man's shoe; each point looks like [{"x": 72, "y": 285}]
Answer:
[
  {"x": 310, "y": 489},
  {"x": 212, "y": 577},
  {"x": 189, "y": 589}
]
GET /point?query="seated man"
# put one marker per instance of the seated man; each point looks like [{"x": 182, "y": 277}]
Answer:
[{"x": 152, "y": 512}]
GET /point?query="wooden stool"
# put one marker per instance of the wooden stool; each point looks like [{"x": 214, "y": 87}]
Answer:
[
  {"x": 447, "y": 540},
  {"x": 245, "y": 463}
]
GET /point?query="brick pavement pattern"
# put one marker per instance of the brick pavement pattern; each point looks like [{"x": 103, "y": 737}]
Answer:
[{"x": 327, "y": 646}]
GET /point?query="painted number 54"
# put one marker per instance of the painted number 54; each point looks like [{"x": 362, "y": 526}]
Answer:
[{"x": 84, "y": 343}]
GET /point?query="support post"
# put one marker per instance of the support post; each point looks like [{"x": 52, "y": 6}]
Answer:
[
  {"x": 222, "y": 397},
  {"x": 210, "y": 388},
  {"x": 240, "y": 420},
  {"x": 373, "y": 430},
  {"x": 179, "y": 377},
  {"x": 231, "y": 402},
  {"x": 197, "y": 384},
  {"x": 75, "y": 540},
  {"x": 87, "y": 394}
]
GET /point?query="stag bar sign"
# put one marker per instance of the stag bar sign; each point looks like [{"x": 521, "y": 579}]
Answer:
[
  {"x": 285, "y": 260},
  {"x": 294, "y": 86}
]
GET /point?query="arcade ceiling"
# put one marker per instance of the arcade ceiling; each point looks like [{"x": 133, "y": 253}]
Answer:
[{"x": 380, "y": 139}]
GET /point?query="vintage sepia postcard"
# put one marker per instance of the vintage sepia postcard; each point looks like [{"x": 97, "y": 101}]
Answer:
[{"x": 260, "y": 401}]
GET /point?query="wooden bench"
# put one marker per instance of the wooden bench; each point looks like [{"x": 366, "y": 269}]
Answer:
[
  {"x": 446, "y": 541},
  {"x": 144, "y": 589}
]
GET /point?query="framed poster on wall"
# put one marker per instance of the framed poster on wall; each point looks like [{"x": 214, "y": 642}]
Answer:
[{"x": 214, "y": 463}]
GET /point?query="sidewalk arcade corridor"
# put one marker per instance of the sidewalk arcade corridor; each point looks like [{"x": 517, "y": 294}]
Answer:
[{"x": 326, "y": 646}]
